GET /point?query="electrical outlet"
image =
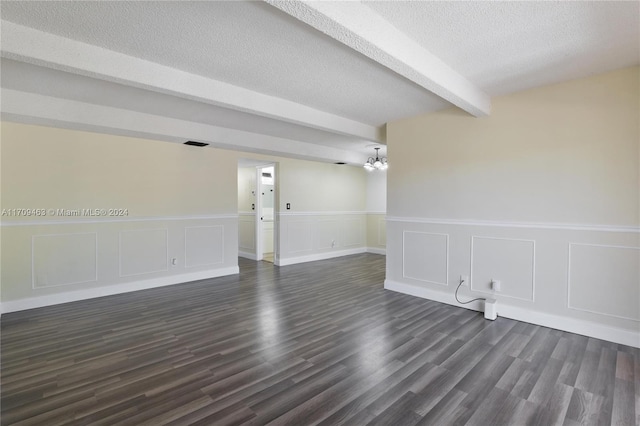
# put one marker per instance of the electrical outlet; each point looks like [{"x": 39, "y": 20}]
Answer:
[
  {"x": 495, "y": 285},
  {"x": 464, "y": 278}
]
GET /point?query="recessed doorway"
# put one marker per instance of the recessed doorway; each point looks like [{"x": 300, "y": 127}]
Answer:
[{"x": 257, "y": 210}]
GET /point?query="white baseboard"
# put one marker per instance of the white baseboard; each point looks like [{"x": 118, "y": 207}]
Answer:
[
  {"x": 90, "y": 293},
  {"x": 318, "y": 256},
  {"x": 558, "y": 322},
  {"x": 376, "y": 250},
  {"x": 247, "y": 255}
]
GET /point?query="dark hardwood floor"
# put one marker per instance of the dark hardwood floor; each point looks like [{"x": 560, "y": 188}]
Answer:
[{"x": 316, "y": 343}]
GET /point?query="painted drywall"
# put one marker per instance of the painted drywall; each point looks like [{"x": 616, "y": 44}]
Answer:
[
  {"x": 66, "y": 169},
  {"x": 564, "y": 153},
  {"x": 321, "y": 187},
  {"x": 543, "y": 195},
  {"x": 110, "y": 212},
  {"x": 376, "y": 233},
  {"x": 377, "y": 191},
  {"x": 376, "y": 208}
]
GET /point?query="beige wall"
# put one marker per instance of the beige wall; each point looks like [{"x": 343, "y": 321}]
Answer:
[
  {"x": 246, "y": 188},
  {"x": 377, "y": 192},
  {"x": 543, "y": 195},
  {"x": 56, "y": 168},
  {"x": 321, "y": 187},
  {"x": 180, "y": 203},
  {"x": 562, "y": 153}
]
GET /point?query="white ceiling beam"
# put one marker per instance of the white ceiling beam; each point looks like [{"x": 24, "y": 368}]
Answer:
[
  {"x": 33, "y": 46},
  {"x": 31, "y": 108},
  {"x": 359, "y": 27}
]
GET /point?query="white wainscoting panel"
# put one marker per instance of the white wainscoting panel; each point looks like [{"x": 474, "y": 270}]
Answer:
[
  {"x": 353, "y": 233},
  {"x": 511, "y": 261},
  {"x": 143, "y": 251},
  {"x": 247, "y": 233},
  {"x": 203, "y": 245},
  {"x": 425, "y": 257},
  {"x": 64, "y": 259},
  {"x": 299, "y": 236},
  {"x": 327, "y": 232},
  {"x": 605, "y": 280}
]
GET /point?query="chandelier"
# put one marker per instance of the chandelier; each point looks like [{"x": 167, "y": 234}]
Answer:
[{"x": 376, "y": 163}]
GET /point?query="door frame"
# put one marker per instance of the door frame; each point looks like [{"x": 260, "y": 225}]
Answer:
[{"x": 258, "y": 217}]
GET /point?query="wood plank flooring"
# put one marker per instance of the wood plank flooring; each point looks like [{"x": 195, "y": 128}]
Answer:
[{"x": 316, "y": 343}]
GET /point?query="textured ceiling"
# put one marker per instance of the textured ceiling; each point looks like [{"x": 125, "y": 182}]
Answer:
[
  {"x": 506, "y": 47},
  {"x": 497, "y": 47},
  {"x": 248, "y": 44}
]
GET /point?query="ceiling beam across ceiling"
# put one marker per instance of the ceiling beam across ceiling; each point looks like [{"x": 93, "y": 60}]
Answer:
[
  {"x": 360, "y": 28},
  {"x": 37, "y": 47},
  {"x": 32, "y": 108}
]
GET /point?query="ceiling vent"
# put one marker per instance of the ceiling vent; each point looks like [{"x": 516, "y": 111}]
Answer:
[{"x": 193, "y": 143}]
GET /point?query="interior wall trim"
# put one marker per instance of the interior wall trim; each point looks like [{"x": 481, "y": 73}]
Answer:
[
  {"x": 109, "y": 290},
  {"x": 310, "y": 213},
  {"x": 166, "y": 257},
  {"x": 534, "y": 225},
  {"x": 33, "y": 260},
  {"x": 404, "y": 274},
  {"x": 83, "y": 221},
  {"x": 558, "y": 322},
  {"x": 247, "y": 255},
  {"x": 569, "y": 306},
  {"x": 186, "y": 257},
  {"x": 284, "y": 261},
  {"x": 501, "y": 295},
  {"x": 377, "y": 250}
]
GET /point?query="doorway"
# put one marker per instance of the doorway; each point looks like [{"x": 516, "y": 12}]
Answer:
[
  {"x": 257, "y": 210},
  {"x": 266, "y": 212}
]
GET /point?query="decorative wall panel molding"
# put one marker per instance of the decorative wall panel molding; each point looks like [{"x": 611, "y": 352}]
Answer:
[
  {"x": 299, "y": 237},
  {"x": 203, "y": 245},
  {"x": 508, "y": 260},
  {"x": 64, "y": 259},
  {"x": 353, "y": 233},
  {"x": 327, "y": 233},
  {"x": 143, "y": 251},
  {"x": 604, "y": 280},
  {"x": 425, "y": 257},
  {"x": 557, "y": 226}
]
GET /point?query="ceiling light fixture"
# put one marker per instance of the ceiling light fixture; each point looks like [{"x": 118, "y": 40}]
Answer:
[{"x": 376, "y": 163}]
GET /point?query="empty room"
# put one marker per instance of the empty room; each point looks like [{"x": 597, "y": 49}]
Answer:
[{"x": 320, "y": 213}]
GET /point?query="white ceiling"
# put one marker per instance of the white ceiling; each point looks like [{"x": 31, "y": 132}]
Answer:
[
  {"x": 509, "y": 46},
  {"x": 316, "y": 80}
]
